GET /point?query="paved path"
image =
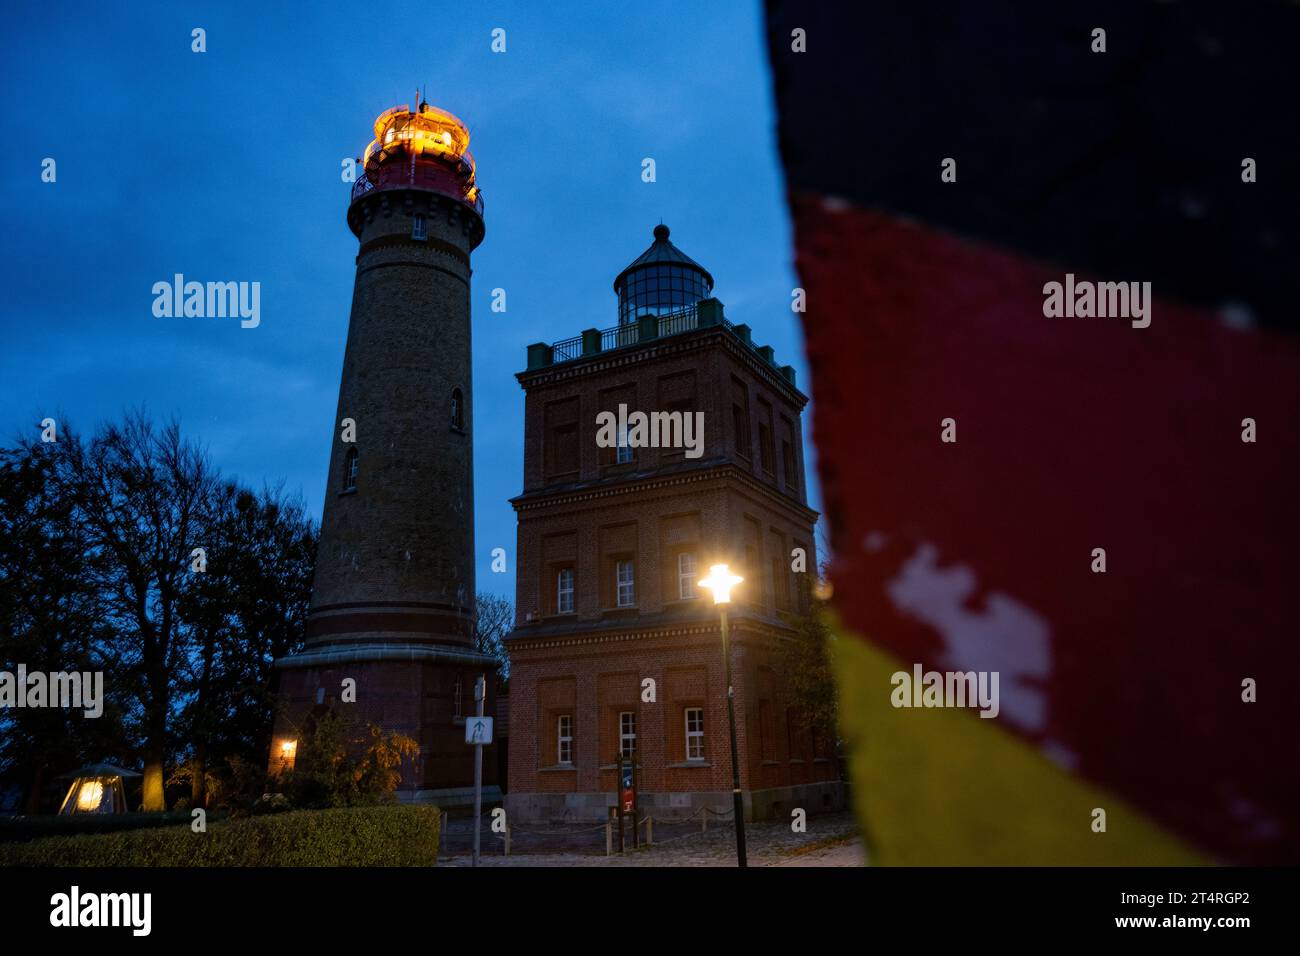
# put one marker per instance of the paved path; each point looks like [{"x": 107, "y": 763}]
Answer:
[{"x": 831, "y": 840}]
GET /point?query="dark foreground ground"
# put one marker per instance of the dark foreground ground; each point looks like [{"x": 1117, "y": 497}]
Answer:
[{"x": 830, "y": 840}]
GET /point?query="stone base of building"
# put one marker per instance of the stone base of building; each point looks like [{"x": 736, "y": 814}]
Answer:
[
  {"x": 450, "y": 798},
  {"x": 824, "y": 796}
]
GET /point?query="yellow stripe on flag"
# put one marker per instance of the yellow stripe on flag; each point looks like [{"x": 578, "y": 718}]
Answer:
[{"x": 943, "y": 787}]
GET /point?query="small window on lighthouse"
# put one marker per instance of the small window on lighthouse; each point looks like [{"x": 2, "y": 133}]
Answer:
[
  {"x": 457, "y": 410},
  {"x": 350, "y": 470},
  {"x": 417, "y": 228}
]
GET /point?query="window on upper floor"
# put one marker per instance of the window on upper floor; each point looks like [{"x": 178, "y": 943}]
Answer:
[
  {"x": 623, "y": 453},
  {"x": 350, "y": 470},
  {"x": 457, "y": 410},
  {"x": 765, "y": 448},
  {"x": 564, "y": 591},
  {"x": 625, "y": 583},
  {"x": 788, "y": 465},
  {"x": 562, "y": 450},
  {"x": 740, "y": 425},
  {"x": 687, "y": 575},
  {"x": 560, "y": 439},
  {"x": 417, "y": 228},
  {"x": 765, "y": 437}
]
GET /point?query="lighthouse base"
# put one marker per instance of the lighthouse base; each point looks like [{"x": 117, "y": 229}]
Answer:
[{"x": 423, "y": 691}]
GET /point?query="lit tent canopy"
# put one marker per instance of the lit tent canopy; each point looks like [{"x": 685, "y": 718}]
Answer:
[{"x": 96, "y": 788}]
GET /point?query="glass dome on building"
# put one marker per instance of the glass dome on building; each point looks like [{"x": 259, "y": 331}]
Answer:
[{"x": 661, "y": 280}]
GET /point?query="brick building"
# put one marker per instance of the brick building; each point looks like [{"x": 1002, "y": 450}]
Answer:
[{"x": 612, "y": 541}]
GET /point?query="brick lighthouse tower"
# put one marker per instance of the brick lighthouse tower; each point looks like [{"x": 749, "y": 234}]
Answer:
[{"x": 393, "y": 596}]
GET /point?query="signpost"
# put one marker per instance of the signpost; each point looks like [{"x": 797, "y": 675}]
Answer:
[
  {"x": 478, "y": 732},
  {"x": 626, "y": 797}
]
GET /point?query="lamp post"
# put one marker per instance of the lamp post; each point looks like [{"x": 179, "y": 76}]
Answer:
[{"x": 720, "y": 581}]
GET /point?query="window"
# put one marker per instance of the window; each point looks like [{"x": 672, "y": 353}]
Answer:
[
  {"x": 627, "y": 733},
  {"x": 694, "y": 733},
  {"x": 417, "y": 228},
  {"x": 564, "y": 739},
  {"x": 789, "y": 456},
  {"x": 765, "y": 436},
  {"x": 564, "y": 591},
  {"x": 457, "y": 410},
  {"x": 780, "y": 599},
  {"x": 740, "y": 422},
  {"x": 625, "y": 582},
  {"x": 686, "y": 576},
  {"x": 560, "y": 446},
  {"x": 350, "y": 470},
  {"x": 619, "y": 451},
  {"x": 562, "y": 450},
  {"x": 765, "y": 447}
]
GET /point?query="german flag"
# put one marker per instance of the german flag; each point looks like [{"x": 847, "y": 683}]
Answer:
[{"x": 1051, "y": 264}]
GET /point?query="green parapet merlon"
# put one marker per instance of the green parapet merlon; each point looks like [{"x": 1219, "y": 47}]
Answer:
[
  {"x": 767, "y": 353},
  {"x": 590, "y": 341},
  {"x": 647, "y": 328},
  {"x": 708, "y": 312},
  {"x": 743, "y": 333},
  {"x": 788, "y": 372},
  {"x": 539, "y": 355}
]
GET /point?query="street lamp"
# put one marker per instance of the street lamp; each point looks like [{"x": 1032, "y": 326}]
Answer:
[{"x": 720, "y": 581}]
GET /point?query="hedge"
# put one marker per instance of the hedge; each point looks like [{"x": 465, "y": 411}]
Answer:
[
  {"x": 20, "y": 828},
  {"x": 359, "y": 836}
]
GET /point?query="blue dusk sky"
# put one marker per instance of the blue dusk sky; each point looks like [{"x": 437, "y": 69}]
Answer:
[{"x": 225, "y": 166}]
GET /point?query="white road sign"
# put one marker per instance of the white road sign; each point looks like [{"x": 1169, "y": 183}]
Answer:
[{"x": 478, "y": 730}]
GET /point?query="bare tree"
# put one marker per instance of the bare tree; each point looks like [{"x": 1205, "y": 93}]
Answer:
[
  {"x": 143, "y": 495},
  {"x": 494, "y": 620}
]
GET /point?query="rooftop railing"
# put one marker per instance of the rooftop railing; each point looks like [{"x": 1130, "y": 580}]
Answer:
[{"x": 707, "y": 313}]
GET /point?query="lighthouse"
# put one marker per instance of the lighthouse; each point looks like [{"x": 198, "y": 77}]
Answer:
[{"x": 392, "y": 605}]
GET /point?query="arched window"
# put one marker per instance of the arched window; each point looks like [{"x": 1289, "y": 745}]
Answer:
[
  {"x": 457, "y": 410},
  {"x": 350, "y": 470}
]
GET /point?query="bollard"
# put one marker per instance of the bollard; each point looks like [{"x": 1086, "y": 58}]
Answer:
[
  {"x": 649, "y": 831},
  {"x": 609, "y": 837},
  {"x": 704, "y": 821},
  {"x": 507, "y": 839}
]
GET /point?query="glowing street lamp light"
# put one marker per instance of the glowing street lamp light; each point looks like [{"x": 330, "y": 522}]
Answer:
[{"x": 720, "y": 581}]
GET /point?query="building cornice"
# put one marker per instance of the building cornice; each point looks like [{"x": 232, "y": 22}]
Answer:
[
  {"x": 519, "y": 639},
  {"x": 660, "y": 348},
  {"x": 615, "y": 487}
]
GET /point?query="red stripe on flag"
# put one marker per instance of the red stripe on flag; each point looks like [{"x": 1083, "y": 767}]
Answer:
[{"x": 1072, "y": 434}]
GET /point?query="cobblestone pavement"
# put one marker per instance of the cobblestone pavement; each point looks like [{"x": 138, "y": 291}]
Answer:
[{"x": 831, "y": 840}]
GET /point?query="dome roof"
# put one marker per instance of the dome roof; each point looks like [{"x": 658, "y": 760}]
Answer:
[{"x": 662, "y": 252}]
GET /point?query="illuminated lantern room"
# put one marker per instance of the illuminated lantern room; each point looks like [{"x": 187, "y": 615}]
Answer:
[
  {"x": 423, "y": 148},
  {"x": 661, "y": 280}
]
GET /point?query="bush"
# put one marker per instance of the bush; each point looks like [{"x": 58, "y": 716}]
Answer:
[
  {"x": 344, "y": 763},
  {"x": 359, "y": 836}
]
